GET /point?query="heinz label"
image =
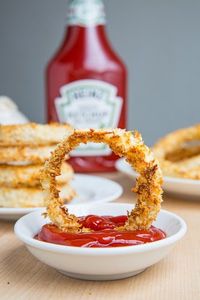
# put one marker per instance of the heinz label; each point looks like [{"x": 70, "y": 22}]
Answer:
[{"x": 89, "y": 104}]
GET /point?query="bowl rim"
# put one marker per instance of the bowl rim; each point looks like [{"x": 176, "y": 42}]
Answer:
[{"x": 56, "y": 248}]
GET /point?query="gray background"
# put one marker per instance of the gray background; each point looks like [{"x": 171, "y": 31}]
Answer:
[{"x": 158, "y": 40}]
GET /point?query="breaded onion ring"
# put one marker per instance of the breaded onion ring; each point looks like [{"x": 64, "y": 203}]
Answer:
[
  {"x": 30, "y": 196},
  {"x": 123, "y": 143},
  {"x": 29, "y": 175},
  {"x": 183, "y": 153},
  {"x": 32, "y": 134},
  {"x": 178, "y": 154},
  {"x": 25, "y": 155},
  {"x": 186, "y": 168}
]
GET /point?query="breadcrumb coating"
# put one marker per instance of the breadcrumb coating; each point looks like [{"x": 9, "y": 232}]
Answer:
[
  {"x": 33, "y": 134},
  {"x": 179, "y": 153},
  {"x": 25, "y": 154},
  {"x": 29, "y": 175},
  {"x": 31, "y": 196},
  {"x": 123, "y": 143}
]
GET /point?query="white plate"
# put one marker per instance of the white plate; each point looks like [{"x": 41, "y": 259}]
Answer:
[
  {"x": 90, "y": 189},
  {"x": 100, "y": 263},
  {"x": 180, "y": 186}
]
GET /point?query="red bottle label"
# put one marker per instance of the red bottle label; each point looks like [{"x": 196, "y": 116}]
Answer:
[{"x": 89, "y": 104}]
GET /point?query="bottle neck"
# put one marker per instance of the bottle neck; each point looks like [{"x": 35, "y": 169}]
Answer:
[
  {"x": 88, "y": 37},
  {"x": 90, "y": 42}
]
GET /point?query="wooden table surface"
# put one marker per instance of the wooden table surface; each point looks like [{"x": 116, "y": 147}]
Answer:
[{"x": 175, "y": 277}]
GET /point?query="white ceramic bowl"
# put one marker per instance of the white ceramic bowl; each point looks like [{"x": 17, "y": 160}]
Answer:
[{"x": 100, "y": 263}]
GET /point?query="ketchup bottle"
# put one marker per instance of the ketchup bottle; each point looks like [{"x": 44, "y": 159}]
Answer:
[{"x": 86, "y": 83}]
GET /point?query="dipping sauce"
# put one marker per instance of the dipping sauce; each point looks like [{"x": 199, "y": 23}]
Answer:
[{"x": 104, "y": 233}]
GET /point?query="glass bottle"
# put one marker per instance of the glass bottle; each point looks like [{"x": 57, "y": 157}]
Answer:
[{"x": 86, "y": 83}]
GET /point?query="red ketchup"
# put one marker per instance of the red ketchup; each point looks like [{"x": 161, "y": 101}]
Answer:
[
  {"x": 104, "y": 234},
  {"x": 86, "y": 83}
]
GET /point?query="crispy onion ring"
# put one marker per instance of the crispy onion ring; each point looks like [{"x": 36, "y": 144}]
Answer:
[
  {"x": 25, "y": 154},
  {"x": 32, "y": 134},
  {"x": 178, "y": 154},
  {"x": 30, "y": 196},
  {"x": 123, "y": 143},
  {"x": 183, "y": 153},
  {"x": 29, "y": 175}
]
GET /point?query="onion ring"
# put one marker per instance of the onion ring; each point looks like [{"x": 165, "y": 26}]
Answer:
[
  {"x": 31, "y": 196},
  {"x": 123, "y": 143},
  {"x": 186, "y": 168},
  {"x": 183, "y": 153},
  {"x": 32, "y": 134},
  {"x": 29, "y": 175},
  {"x": 176, "y": 157},
  {"x": 25, "y": 155}
]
